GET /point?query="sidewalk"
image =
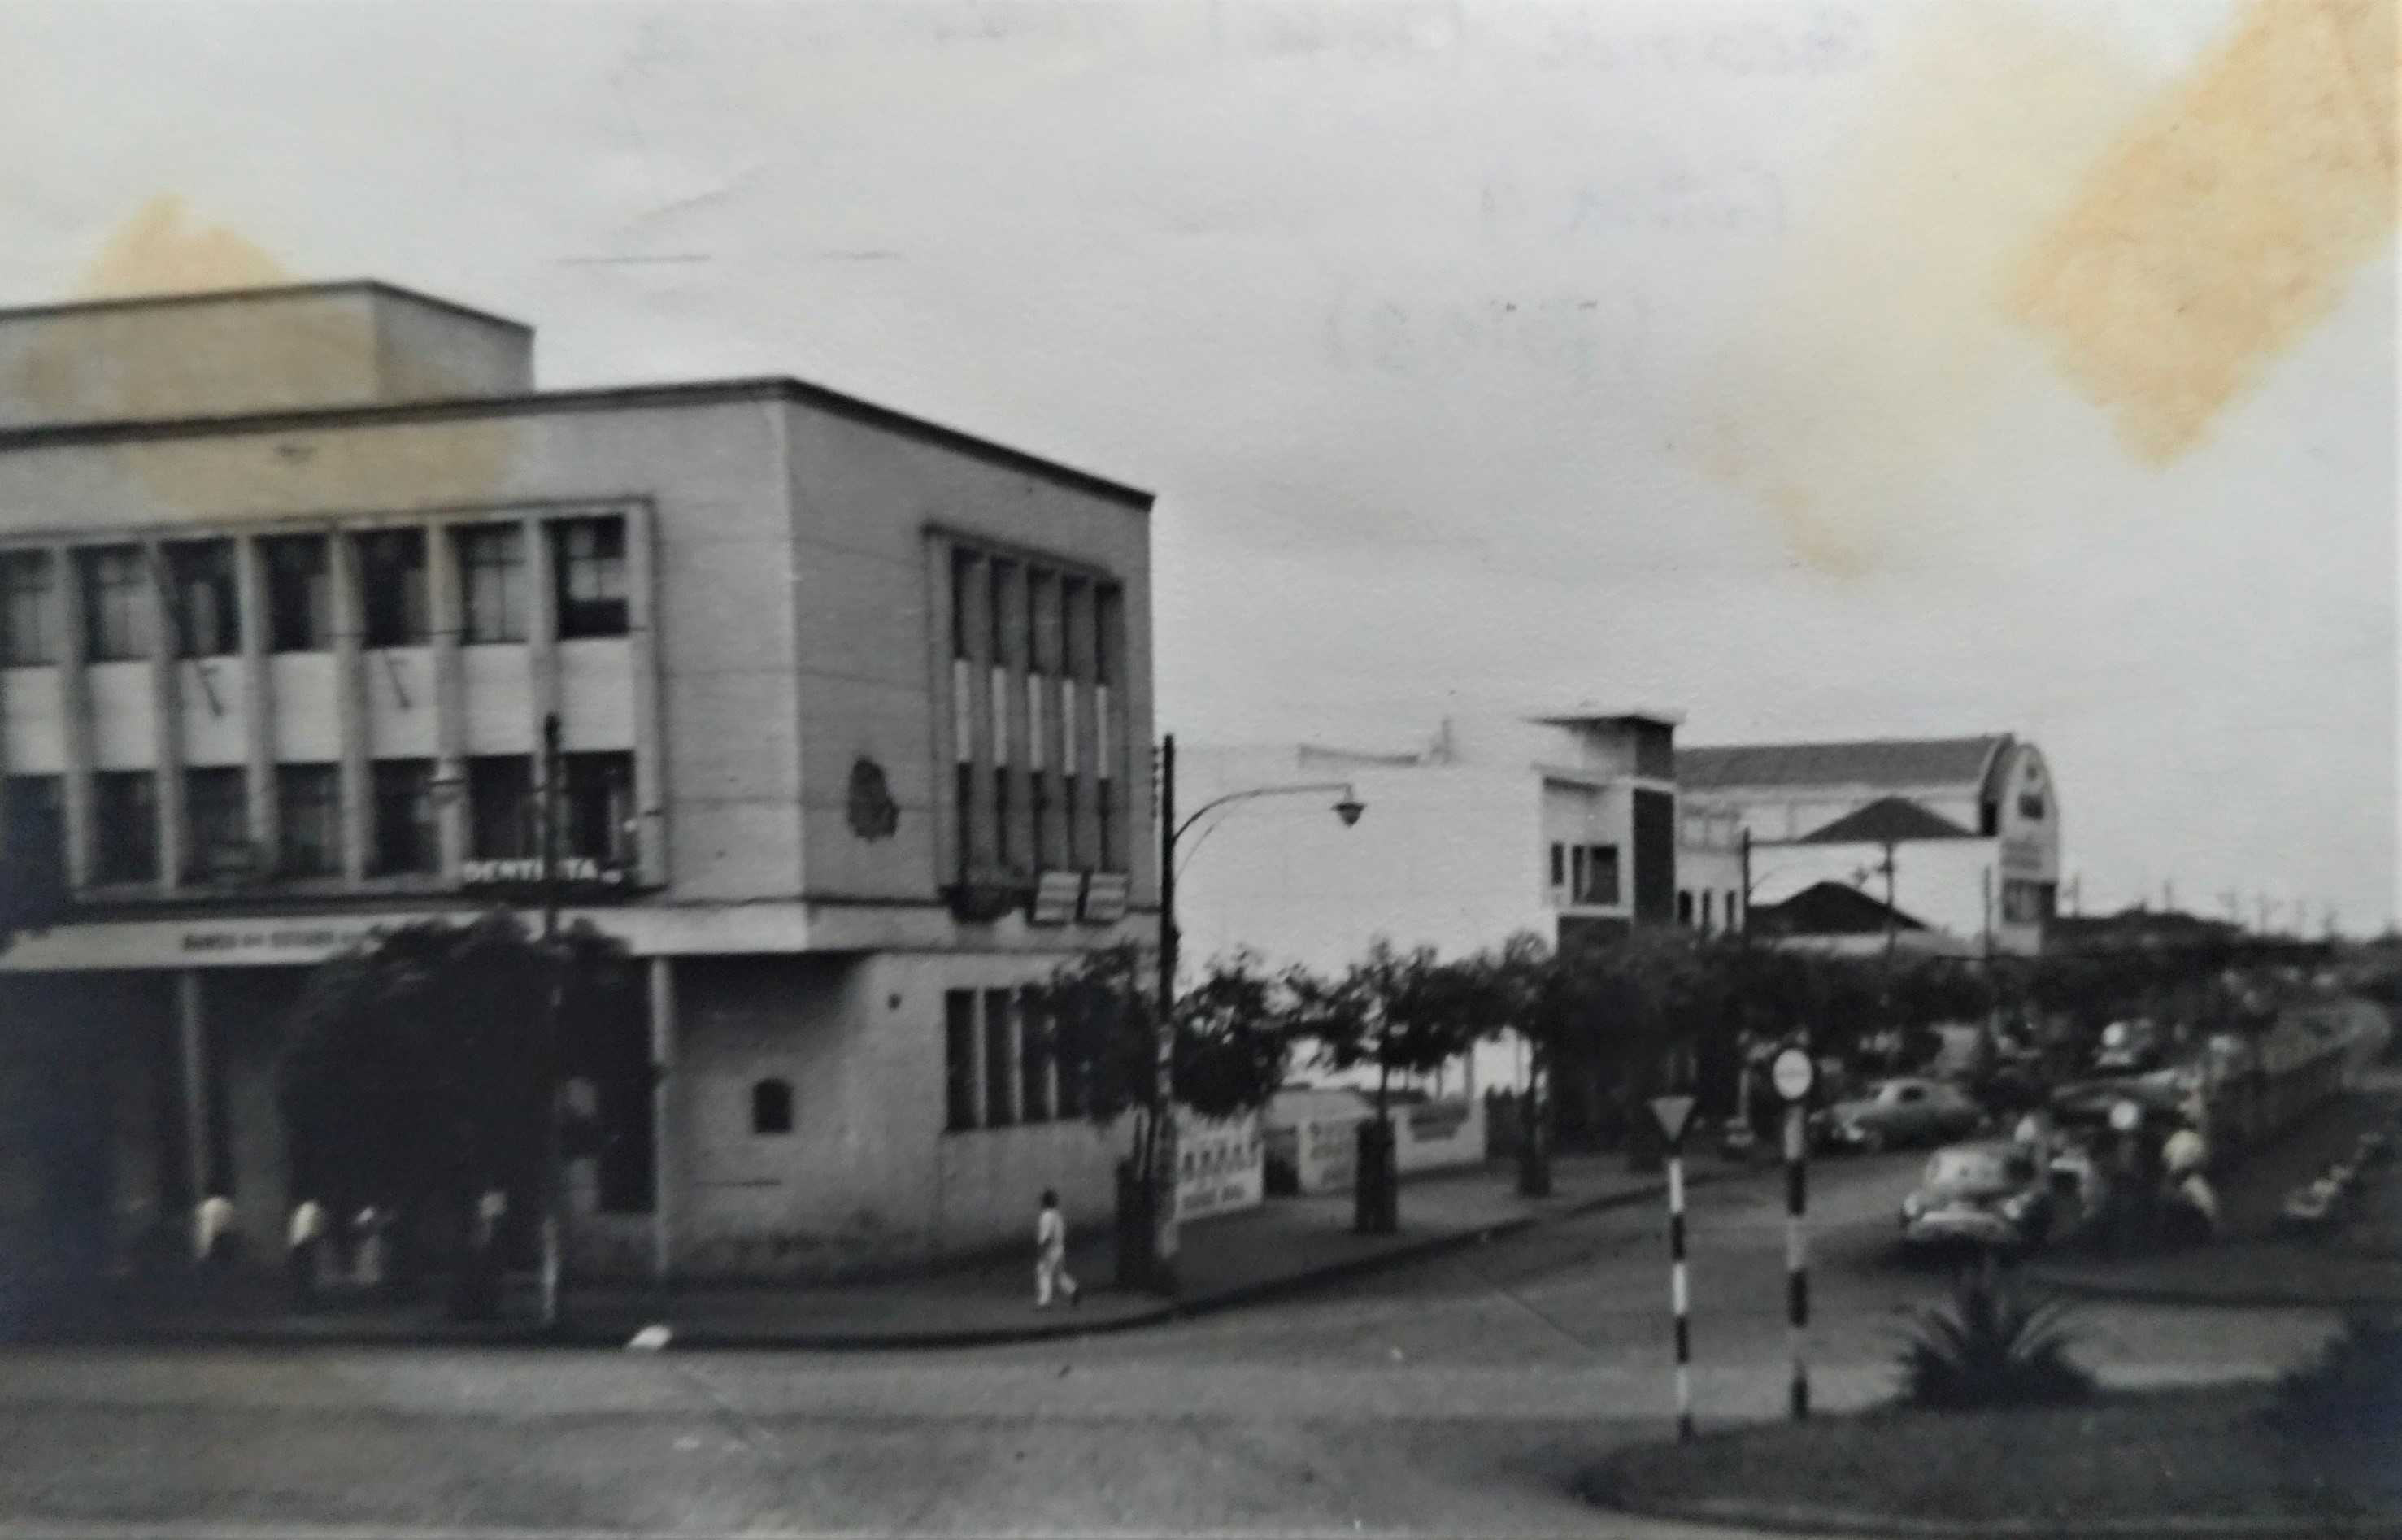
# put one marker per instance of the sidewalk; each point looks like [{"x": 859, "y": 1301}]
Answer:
[{"x": 1284, "y": 1246}]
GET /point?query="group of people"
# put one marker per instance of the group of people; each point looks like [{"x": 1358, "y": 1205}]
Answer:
[
  {"x": 2146, "y": 1182},
  {"x": 310, "y": 1258}
]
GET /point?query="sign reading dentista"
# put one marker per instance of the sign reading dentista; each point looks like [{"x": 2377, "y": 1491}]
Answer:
[{"x": 519, "y": 871}]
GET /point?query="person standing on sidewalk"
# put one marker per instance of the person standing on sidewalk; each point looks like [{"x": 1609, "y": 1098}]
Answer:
[
  {"x": 301, "y": 1256},
  {"x": 1051, "y": 1254}
]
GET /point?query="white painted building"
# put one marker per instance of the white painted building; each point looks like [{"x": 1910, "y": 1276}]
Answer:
[{"x": 1563, "y": 826}]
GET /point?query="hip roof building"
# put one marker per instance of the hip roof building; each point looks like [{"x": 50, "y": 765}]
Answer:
[{"x": 291, "y": 582}]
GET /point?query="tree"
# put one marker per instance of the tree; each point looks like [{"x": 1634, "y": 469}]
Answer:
[
  {"x": 424, "y": 1069},
  {"x": 1403, "y": 1013},
  {"x": 1550, "y": 1003},
  {"x": 1228, "y": 1047}
]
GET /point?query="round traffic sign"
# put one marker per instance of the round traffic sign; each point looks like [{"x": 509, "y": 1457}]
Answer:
[
  {"x": 2125, "y": 1116},
  {"x": 1791, "y": 1073}
]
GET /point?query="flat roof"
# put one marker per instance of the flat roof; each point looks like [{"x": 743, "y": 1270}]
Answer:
[
  {"x": 271, "y": 291},
  {"x": 697, "y": 392},
  {"x": 1657, "y": 716}
]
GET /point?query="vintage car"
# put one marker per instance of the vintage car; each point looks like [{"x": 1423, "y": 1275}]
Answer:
[
  {"x": 1897, "y": 1112},
  {"x": 1993, "y": 1194}
]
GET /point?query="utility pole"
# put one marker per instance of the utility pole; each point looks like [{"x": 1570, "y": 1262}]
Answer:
[
  {"x": 2168, "y": 897},
  {"x": 554, "y": 1208},
  {"x": 1162, "y": 1176}
]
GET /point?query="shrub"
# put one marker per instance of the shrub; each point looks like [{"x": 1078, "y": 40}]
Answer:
[{"x": 1991, "y": 1347}]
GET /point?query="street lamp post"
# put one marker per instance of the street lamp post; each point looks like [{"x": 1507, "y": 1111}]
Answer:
[
  {"x": 1162, "y": 1176},
  {"x": 554, "y": 1213}
]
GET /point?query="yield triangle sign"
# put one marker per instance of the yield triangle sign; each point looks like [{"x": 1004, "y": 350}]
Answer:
[{"x": 1674, "y": 1113}]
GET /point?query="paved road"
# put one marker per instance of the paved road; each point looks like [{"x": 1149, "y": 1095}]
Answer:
[{"x": 1459, "y": 1395}]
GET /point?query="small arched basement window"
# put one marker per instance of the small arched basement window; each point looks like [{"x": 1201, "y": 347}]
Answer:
[{"x": 771, "y": 1107}]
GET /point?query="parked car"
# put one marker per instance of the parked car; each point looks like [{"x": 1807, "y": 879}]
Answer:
[
  {"x": 1902, "y": 1111},
  {"x": 2128, "y": 1048},
  {"x": 1991, "y": 1195}
]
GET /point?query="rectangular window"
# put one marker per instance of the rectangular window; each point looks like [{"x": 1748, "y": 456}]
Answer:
[
  {"x": 1075, "y": 847},
  {"x": 1708, "y": 922},
  {"x": 492, "y": 583},
  {"x": 1001, "y": 849},
  {"x": 1685, "y": 907},
  {"x": 204, "y": 599},
  {"x": 308, "y": 811},
  {"x": 598, "y": 814},
  {"x": 299, "y": 594},
  {"x": 407, "y": 835},
  {"x": 588, "y": 563},
  {"x": 1655, "y": 857},
  {"x": 1598, "y": 881},
  {"x": 28, "y": 604},
  {"x": 1001, "y": 576},
  {"x": 1071, "y": 1076},
  {"x": 393, "y": 603},
  {"x": 1559, "y": 866},
  {"x": 1105, "y": 814},
  {"x": 216, "y": 822},
  {"x": 501, "y": 808},
  {"x": 125, "y": 824},
  {"x": 999, "y": 1062},
  {"x": 1035, "y": 1064},
  {"x": 115, "y": 603},
  {"x": 1578, "y": 885},
  {"x": 32, "y": 839},
  {"x": 1038, "y": 803},
  {"x": 960, "y": 1059},
  {"x": 967, "y": 820}
]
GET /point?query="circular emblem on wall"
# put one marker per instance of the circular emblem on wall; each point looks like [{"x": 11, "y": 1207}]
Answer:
[{"x": 874, "y": 814}]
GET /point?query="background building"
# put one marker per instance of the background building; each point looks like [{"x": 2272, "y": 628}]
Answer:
[
  {"x": 1561, "y": 826},
  {"x": 1973, "y": 824},
  {"x": 289, "y": 582}
]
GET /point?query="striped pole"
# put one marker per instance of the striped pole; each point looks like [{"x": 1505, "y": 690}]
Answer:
[
  {"x": 1676, "y": 1294},
  {"x": 1797, "y": 1256}
]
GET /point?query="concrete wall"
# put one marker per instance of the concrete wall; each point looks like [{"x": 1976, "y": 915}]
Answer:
[
  {"x": 1444, "y": 856},
  {"x": 269, "y": 351},
  {"x": 867, "y": 1181},
  {"x": 713, "y": 470},
  {"x": 864, "y": 499}
]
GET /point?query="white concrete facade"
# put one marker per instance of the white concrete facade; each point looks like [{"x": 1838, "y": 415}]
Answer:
[
  {"x": 1509, "y": 825},
  {"x": 841, "y": 686}
]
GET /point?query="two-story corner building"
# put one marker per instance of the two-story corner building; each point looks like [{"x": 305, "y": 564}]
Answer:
[
  {"x": 1972, "y": 825},
  {"x": 290, "y": 580}
]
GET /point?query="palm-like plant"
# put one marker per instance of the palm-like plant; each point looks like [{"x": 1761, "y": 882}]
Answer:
[{"x": 1991, "y": 1347}]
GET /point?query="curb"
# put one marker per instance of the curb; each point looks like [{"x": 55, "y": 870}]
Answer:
[
  {"x": 1793, "y": 1519},
  {"x": 2137, "y": 1291},
  {"x": 1065, "y": 1325}
]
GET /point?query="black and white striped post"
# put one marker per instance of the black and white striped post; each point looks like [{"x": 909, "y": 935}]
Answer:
[
  {"x": 1675, "y": 1113},
  {"x": 1793, "y": 1073}
]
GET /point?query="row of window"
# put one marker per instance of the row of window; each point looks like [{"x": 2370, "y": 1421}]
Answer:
[
  {"x": 597, "y": 817},
  {"x": 1038, "y": 661},
  {"x": 999, "y": 1067},
  {"x": 202, "y": 589},
  {"x": 1699, "y": 908},
  {"x": 1585, "y": 874}
]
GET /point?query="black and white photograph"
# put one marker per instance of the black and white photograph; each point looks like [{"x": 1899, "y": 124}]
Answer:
[{"x": 1200, "y": 767}]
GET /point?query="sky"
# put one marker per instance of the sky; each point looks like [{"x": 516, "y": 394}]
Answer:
[{"x": 1819, "y": 369}]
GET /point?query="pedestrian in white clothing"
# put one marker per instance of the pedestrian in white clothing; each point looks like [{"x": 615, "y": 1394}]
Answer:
[{"x": 1051, "y": 1254}]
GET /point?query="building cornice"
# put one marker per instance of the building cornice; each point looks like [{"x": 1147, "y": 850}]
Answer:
[{"x": 538, "y": 403}]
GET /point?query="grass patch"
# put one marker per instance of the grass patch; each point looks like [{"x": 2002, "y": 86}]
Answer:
[{"x": 2222, "y": 1452}]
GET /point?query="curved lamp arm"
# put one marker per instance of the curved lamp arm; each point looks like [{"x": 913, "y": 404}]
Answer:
[{"x": 1349, "y": 808}]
